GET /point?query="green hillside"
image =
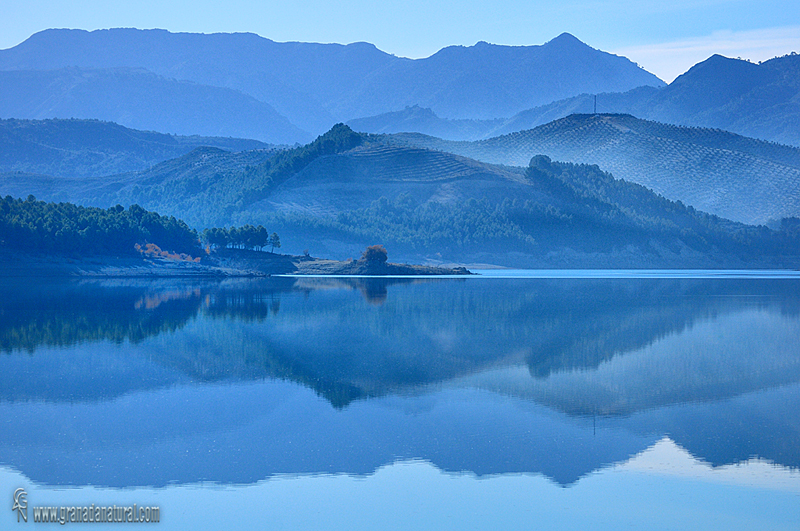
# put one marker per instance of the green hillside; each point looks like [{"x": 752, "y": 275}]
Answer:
[
  {"x": 205, "y": 187},
  {"x": 722, "y": 173}
]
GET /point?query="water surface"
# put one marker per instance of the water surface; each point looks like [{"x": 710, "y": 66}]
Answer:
[{"x": 511, "y": 400}]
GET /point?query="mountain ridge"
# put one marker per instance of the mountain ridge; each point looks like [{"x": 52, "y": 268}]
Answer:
[
  {"x": 315, "y": 85},
  {"x": 140, "y": 99},
  {"x": 89, "y": 148},
  {"x": 756, "y": 100}
]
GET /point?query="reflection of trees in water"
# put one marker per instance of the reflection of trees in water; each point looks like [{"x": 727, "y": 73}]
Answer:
[
  {"x": 375, "y": 290},
  {"x": 609, "y": 324},
  {"x": 243, "y": 302},
  {"x": 67, "y": 313},
  {"x": 63, "y": 313},
  {"x": 151, "y": 301}
]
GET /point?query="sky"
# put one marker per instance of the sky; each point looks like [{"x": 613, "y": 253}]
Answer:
[{"x": 664, "y": 37}]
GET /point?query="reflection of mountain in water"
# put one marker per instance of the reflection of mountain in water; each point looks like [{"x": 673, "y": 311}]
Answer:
[
  {"x": 431, "y": 333},
  {"x": 247, "y": 432},
  {"x": 492, "y": 376},
  {"x": 735, "y": 352}
]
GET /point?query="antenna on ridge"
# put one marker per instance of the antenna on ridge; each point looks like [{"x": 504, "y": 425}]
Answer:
[{"x": 595, "y": 103}]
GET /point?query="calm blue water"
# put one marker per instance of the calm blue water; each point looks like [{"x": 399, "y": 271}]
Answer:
[{"x": 513, "y": 400}]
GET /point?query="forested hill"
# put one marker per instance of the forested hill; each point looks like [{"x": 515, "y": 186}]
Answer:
[
  {"x": 205, "y": 187},
  {"x": 91, "y": 148},
  {"x": 37, "y": 226},
  {"x": 735, "y": 177},
  {"x": 551, "y": 215},
  {"x": 345, "y": 191}
]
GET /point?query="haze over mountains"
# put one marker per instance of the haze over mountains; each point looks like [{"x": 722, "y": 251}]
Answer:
[
  {"x": 140, "y": 99},
  {"x": 735, "y": 177},
  {"x": 760, "y": 101},
  {"x": 531, "y": 197},
  {"x": 90, "y": 148},
  {"x": 312, "y": 85}
]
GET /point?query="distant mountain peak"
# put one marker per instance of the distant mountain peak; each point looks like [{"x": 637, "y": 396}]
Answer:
[
  {"x": 722, "y": 72},
  {"x": 717, "y": 61},
  {"x": 566, "y": 39},
  {"x": 362, "y": 45}
]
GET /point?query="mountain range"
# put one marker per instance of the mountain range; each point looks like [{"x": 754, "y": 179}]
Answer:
[
  {"x": 139, "y": 99},
  {"x": 756, "y": 100},
  {"x": 608, "y": 189},
  {"x": 75, "y": 73}
]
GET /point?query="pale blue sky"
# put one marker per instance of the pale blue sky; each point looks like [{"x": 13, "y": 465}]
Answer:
[{"x": 665, "y": 36}]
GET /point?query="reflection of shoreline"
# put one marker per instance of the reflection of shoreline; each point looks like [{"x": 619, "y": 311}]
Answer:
[
  {"x": 427, "y": 332},
  {"x": 375, "y": 290},
  {"x": 63, "y": 314},
  {"x": 68, "y": 312}
]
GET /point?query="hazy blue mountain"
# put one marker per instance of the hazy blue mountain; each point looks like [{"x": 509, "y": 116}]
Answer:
[
  {"x": 423, "y": 120},
  {"x": 735, "y": 177},
  {"x": 630, "y": 102},
  {"x": 82, "y": 148},
  {"x": 140, "y": 99},
  {"x": 756, "y": 100},
  {"x": 761, "y": 101},
  {"x": 315, "y": 85},
  {"x": 487, "y": 81}
]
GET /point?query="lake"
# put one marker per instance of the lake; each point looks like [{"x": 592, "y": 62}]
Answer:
[{"x": 511, "y": 400}]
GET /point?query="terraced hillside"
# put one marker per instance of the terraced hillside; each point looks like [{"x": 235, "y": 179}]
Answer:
[
  {"x": 355, "y": 179},
  {"x": 735, "y": 177}
]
